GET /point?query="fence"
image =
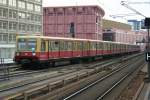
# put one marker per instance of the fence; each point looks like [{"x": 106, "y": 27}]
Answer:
[{"x": 4, "y": 69}]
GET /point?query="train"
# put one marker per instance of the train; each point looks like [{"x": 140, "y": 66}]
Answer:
[{"x": 48, "y": 50}]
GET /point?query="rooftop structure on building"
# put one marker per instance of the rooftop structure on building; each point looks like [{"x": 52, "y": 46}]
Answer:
[
  {"x": 73, "y": 21},
  {"x": 108, "y": 24},
  {"x": 18, "y": 17}
]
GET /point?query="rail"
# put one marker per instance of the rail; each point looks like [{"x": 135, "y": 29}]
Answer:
[
  {"x": 61, "y": 82},
  {"x": 98, "y": 81}
]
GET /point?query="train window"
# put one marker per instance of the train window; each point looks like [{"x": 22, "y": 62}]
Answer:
[
  {"x": 84, "y": 46},
  {"x": 26, "y": 44},
  {"x": 69, "y": 46},
  {"x": 100, "y": 46},
  {"x": 31, "y": 44},
  {"x": 104, "y": 46},
  {"x": 61, "y": 45},
  {"x": 22, "y": 44},
  {"x": 54, "y": 45},
  {"x": 65, "y": 45},
  {"x": 74, "y": 46},
  {"x": 108, "y": 46},
  {"x": 79, "y": 45},
  {"x": 92, "y": 46},
  {"x": 50, "y": 46},
  {"x": 43, "y": 46}
]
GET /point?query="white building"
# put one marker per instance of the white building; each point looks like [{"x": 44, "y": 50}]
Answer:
[{"x": 18, "y": 17}]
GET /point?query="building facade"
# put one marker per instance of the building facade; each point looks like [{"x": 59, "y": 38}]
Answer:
[
  {"x": 73, "y": 21},
  {"x": 122, "y": 36},
  {"x": 121, "y": 32},
  {"x": 18, "y": 17}
]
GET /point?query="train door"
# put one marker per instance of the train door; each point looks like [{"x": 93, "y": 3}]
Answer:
[
  {"x": 104, "y": 48},
  {"x": 53, "y": 49},
  {"x": 77, "y": 49},
  {"x": 101, "y": 48},
  {"x": 88, "y": 48},
  {"x": 95, "y": 48},
  {"x": 70, "y": 48},
  {"x": 74, "y": 49},
  {"x": 44, "y": 50}
]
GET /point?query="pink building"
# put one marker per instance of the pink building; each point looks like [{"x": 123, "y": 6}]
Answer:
[
  {"x": 73, "y": 21},
  {"x": 122, "y": 36}
]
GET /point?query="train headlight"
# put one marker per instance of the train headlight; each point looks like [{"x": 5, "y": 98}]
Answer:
[
  {"x": 33, "y": 54},
  {"x": 17, "y": 53}
]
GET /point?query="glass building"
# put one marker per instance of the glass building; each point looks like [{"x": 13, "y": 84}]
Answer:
[
  {"x": 18, "y": 17},
  {"x": 135, "y": 24}
]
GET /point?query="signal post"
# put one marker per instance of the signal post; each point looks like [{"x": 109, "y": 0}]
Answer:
[{"x": 147, "y": 25}]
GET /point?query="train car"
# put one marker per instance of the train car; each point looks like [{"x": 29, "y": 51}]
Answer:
[{"x": 42, "y": 49}]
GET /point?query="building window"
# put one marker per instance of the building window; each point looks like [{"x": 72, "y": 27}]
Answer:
[
  {"x": 3, "y": 2},
  {"x": 3, "y": 13},
  {"x": 21, "y": 4},
  {"x": 1, "y": 37},
  {"x": 12, "y": 37},
  {"x": 12, "y": 25},
  {"x": 30, "y": 17},
  {"x": 37, "y": 18},
  {"x": 22, "y": 15},
  {"x": 29, "y": 6},
  {"x": 22, "y": 27},
  {"x": 37, "y": 28},
  {"x": 12, "y": 3},
  {"x": 12, "y": 14},
  {"x": 30, "y": 27},
  {"x": 37, "y": 8},
  {"x": 3, "y": 25},
  {"x": 38, "y": 0},
  {"x": 5, "y": 37}
]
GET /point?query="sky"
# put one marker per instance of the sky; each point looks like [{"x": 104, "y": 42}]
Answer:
[{"x": 111, "y": 7}]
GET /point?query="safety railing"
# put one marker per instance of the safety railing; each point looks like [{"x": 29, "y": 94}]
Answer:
[{"x": 4, "y": 69}]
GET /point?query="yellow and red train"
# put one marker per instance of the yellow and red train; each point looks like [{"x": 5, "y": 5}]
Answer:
[{"x": 36, "y": 49}]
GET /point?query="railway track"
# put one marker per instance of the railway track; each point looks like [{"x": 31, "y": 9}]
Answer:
[
  {"x": 72, "y": 71},
  {"x": 60, "y": 73},
  {"x": 102, "y": 87},
  {"x": 14, "y": 71},
  {"x": 17, "y": 72}
]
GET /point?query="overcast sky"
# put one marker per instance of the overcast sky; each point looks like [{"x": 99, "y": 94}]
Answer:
[{"x": 111, "y": 7}]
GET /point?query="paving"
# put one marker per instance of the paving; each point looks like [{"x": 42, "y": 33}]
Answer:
[{"x": 145, "y": 91}]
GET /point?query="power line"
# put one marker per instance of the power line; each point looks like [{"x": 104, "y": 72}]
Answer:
[
  {"x": 138, "y": 2},
  {"x": 125, "y": 4}
]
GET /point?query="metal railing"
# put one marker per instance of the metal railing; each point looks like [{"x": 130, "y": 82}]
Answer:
[{"x": 4, "y": 69}]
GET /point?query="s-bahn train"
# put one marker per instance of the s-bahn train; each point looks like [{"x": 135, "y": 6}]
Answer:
[{"x": 39, "y": 49}]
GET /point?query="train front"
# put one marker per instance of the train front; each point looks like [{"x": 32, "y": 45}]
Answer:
[{"x": 26, "y": 49}]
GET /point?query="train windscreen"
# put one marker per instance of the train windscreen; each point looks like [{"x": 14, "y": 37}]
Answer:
[{"x": 26, "y": 44}]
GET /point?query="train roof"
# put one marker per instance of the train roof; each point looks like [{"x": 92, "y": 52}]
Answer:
[{"x": 76, "y": 39}]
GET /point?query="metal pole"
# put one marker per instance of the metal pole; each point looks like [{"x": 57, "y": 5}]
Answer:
[{"x": 148, "y": 51}]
